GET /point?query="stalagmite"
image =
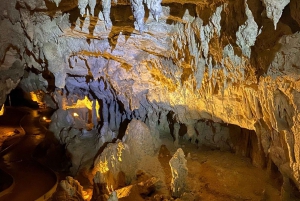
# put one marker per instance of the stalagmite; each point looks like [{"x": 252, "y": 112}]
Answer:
[
  {"x": 179, "y": 173},
  {"x": 210, "y": 72}
]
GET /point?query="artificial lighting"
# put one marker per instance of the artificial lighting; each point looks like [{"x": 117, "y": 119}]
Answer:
[
  {"x": 85, "y": 103},
  {"x": 2, "y": 110},
  {"x": 44, "y": 118},
  {"x": 75, "y": 114}
]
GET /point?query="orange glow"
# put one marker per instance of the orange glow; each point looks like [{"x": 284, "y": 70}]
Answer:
[
  {"x": 86, "y": 195},
  {"x": 124, "y": 192},
  {"x": 2, "y": 110},
  {"x": 34, "y": 97},
  {"x": 85, "y": 103},
  {"x": 103, "y": 166}
]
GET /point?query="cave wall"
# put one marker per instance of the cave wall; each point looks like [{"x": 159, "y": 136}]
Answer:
[{"x": 227, "y": 61}]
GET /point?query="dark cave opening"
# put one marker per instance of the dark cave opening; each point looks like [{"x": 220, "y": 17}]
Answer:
[{"x": 18, "y": 98}]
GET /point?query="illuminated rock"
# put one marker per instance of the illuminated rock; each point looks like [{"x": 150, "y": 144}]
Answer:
[
  {"x": 247, "y": 33},
  {"x": 116, "y": 161},
  {"x": 274, "y": 9},
  {"x": 69, "y": 189},
  {"x": 86, "y": 23},
  {"x": 221, "y": 61},
  {"x": 113, "y": 196},
  {"x": 179, "y": 173}
]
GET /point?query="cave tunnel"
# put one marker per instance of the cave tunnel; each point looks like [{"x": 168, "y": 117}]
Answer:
[{"x": 159, "y": 100}]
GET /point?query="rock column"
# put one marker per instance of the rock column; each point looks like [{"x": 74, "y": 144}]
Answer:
[{"x": 179, "y": 173}]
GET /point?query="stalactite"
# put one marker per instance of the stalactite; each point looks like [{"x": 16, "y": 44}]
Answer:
[
  {"x": 82, "y": 4},
  {"x": 92, "y": 4},
  {"x": 105, "y": 110},
  {"x": 138, "y": 13},
  {"x": 106, "y": 5},
  {"x": 274, "y": 9},
  {"x": 155, "y": 8},
  {"x": 118, "y": 116},
  {"x": 94, "y": 113},
  {"x": 112, "y": 115}
]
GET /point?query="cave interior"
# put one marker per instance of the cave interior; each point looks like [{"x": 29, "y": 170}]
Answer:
[{"x": 156, "y": 99}]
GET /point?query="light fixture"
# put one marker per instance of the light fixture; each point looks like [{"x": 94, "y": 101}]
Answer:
[
  {"x": 75, "y": 114},
  {"x": 44, "y": 118}
]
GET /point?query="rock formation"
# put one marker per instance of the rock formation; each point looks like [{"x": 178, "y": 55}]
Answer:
[
  {"x": 69, "y": 189},
  {"x": 170, "y": 65},
  {"x": 179, "y": 173},
  {"x": 124, "y": 158}
]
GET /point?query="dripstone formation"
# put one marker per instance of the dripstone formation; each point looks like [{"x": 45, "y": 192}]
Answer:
[{"x": 153, "y": 67}]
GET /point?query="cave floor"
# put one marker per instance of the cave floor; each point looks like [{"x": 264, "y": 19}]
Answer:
[
  {"x": 10, "y": 131},
  {"x": 31, "y": 179},
  {"x": 212, "y": 175},
  {"x": 220, "y": 175}
]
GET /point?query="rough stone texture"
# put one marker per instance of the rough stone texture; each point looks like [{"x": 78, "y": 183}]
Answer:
[
  {"x": 274, "y": 9},
  {"x": 213, "y": 135},
  {"x": 139, "y": 139},
  {"x": 117, "y": 159},
  {"x": 295, "y": 8},
  {"x": 247, "y": 33},
  {"x": 194, "y": 64},
  {"x": 69, "y": 189},
  {"x": 113, "y": 196},
  {"x": 179, "y": 173}
]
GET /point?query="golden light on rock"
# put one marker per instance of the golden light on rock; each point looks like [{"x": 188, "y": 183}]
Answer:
[
  {"x": 103, "y": 166},
  {"x": 34, "y": 96},
  {"x": 2, "y": 110},
  {"x": 85, "y": 103}
]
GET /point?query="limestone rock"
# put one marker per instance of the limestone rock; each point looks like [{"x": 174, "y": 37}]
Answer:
[
  {"x": 69, "y": 189},
  {"x": 139, "y": 139},
  {"x": 274, "y": 9},
  {"x": 247, "y": 33},
  {"x": 189, "y": 65},
  {"x": 113, "y": 196},
  {"x": 179, "y": 173}
]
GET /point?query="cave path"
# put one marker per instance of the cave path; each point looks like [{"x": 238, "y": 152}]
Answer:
[{"x": 31, "y": 179}]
